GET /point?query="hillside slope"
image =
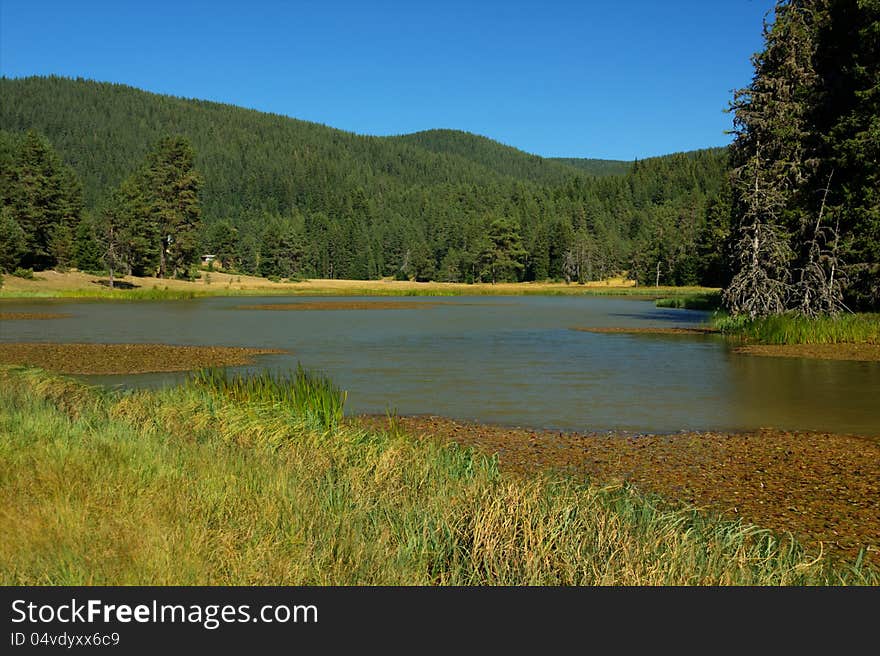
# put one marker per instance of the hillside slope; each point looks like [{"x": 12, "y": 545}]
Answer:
[{"x": 350, "y": 206}]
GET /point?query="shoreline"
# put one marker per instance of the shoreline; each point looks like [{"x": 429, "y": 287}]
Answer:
[{"x": 823, "y": 488}]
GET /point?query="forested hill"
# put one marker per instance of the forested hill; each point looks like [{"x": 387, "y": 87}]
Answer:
[
  {"x": 505, "y": 160},
  {"x": 440, "y": 204},
  {"x": 105, "y": 130}
]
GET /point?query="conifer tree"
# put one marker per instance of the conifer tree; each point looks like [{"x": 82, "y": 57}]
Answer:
[
  {"x": 172, "y": 192},
  {"x": 45, "y": 200},
  {"x": 503, "y": 255}
]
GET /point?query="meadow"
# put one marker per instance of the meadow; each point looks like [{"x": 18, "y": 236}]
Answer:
[{"x": 79, "y": 285}]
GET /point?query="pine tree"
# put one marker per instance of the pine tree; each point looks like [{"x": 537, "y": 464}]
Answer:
[
  {"x": 808, "y": 134},
  {"x": 503, "y": 255},
  {"x": 46, "y": 201},
  {"x": 773, "y": 165},
  {"x": 172, "y": 191},
  {"x": 848, "y": 119},
  {"x": 86, "y": 249},
  {"x": 13, "y": 243}
]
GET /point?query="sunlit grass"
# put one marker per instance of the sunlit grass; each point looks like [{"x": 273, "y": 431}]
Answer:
[
  {"x": 374, "y": 288},
  {"x": 225, "y": 481},
  {"x": 793, "y": 329}
]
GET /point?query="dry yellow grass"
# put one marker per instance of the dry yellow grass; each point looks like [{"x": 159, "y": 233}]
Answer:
[{"x": 51, "y": 281}]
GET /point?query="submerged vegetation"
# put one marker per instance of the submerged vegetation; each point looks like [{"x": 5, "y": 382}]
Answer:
[{"x": 232, "y": 481}]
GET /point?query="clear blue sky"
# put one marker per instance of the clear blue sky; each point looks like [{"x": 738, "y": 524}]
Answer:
[{"x": 607, "y": 79}]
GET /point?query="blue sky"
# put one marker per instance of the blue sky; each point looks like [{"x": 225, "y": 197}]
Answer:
[{"x": 615, "y": 80}]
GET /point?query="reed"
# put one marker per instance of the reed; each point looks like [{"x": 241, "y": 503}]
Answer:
[
  {"x": 794, "y": 329},
  {"x": 308, "y": 394}
]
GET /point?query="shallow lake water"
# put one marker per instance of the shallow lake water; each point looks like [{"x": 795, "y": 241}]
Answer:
[{"x": 506, "y": 360}]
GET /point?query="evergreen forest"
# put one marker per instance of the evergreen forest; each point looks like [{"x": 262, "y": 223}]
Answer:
[{"x": 282, "y": 197}]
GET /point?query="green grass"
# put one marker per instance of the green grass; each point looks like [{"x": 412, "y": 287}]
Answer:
[
  {"x": 793, "y": 329},
  {"x": 308, "y": 395},
  {"x": 224, "y": 482},
  {"x": 708, "y": 301}
]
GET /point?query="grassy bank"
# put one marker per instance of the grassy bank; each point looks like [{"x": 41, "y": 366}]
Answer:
[
  {"x": 785, "y": 329},
  {"x": 229, "y": 481},
  {"x": 791, "y": 329}
]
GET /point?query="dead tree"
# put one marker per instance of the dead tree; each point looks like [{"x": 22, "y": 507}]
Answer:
[
  {"x": 820, "y": 283},
  {"x": 761, "y": 251}
]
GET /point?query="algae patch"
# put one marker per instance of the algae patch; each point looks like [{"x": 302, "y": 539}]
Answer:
[{"x": 126, "y": 358}]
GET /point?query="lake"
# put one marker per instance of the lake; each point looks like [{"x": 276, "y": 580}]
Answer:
[{"x": 512, "y": 360}]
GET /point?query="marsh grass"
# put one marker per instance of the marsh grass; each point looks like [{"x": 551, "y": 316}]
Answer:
[
  {"x": 708, "y": 301},
  {"x": 307, "y": 394},
  {"x": 224, "y": 482},
  {"x": 792, "y": 329}
]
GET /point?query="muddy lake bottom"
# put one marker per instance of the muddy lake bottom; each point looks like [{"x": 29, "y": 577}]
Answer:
[{"x": 824, "y": 489}]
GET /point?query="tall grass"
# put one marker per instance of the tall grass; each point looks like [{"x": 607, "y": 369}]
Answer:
[
  {"x": 203, "y": 484},
  {"x": 305, "y": 393},
  {"x": 794, "y": 329}
]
